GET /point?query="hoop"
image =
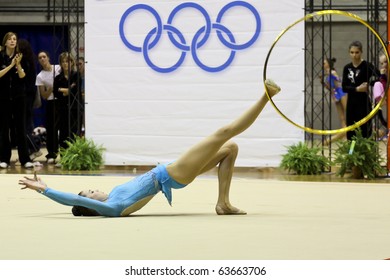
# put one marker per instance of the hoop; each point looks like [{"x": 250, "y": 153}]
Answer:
[{"x": 319, "y": 131}]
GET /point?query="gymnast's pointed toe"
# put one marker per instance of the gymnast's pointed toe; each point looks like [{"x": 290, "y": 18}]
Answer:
[{"x": 272, "y": 87}]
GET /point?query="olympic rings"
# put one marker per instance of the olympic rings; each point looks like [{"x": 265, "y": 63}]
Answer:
[
  {"x": 199, "y": 39},
  {"x": 319, "y": 131},
  {"x": 206, "y": 17},
  {"x": 123, "y": 19}
]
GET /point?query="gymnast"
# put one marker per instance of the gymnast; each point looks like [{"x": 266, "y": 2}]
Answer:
[{"x": 216, "y": 149}]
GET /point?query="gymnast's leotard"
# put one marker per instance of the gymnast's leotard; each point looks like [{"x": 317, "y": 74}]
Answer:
[
  {"x": 339, "y": 93},
  {"x": 123, "y": 196}
]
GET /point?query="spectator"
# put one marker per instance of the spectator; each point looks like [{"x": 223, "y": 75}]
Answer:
[
  {"x": 81, "y": 70},
  {"x": 378, "y": 91},
  {"x": 13, "y": 101},
  {"x": 31, "y": 91},
  {"x": 67, "y": 93},
  {"x": 356, "y": 77},
  {"x": 44, "y": 81}
]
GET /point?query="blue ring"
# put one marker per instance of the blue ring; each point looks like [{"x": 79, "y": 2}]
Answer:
[
  {"x": 204, "y": 13},
  {"x": 124, "y": 17},
  {"x": 202, "y": 65},
  {"x": 258, "y": 25},
  {"x": 180, "y": 46},
  {"x": 151, "y": 64}
]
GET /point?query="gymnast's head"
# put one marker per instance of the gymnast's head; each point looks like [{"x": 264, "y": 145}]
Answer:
[
  {"x": 329, "y": 63},
  {"x": 84, "y": 211}
]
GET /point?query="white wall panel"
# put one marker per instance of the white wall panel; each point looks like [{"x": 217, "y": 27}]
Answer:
[{"x": 143, "y": 117}]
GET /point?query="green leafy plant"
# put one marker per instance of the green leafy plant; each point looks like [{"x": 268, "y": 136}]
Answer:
[
  {"x": 362, "y": 153},
  {"x": 304, "y": 160},
  {"x": 81, "y": 154}
]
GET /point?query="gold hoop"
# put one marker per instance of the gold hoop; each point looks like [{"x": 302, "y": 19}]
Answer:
[{"x": 319, "y": 131}]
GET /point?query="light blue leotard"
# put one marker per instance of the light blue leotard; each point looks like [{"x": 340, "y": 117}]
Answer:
[{"x": 123, "y": 196}]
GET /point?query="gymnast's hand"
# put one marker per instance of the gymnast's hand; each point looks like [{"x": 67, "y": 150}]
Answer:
[{"x": 35, "y": 184}]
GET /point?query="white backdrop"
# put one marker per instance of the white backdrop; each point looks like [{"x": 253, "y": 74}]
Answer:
[{"x": 143, "y": 117}]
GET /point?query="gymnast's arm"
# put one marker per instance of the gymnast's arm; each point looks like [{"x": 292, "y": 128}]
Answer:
[
  {"x": 71, "y": 199},
  {"x": 68, "y": 199}
]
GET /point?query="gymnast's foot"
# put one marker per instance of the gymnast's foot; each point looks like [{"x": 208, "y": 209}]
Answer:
[
  {"x": 272, "y": 87},
  {"x": 223, "y": 209}
]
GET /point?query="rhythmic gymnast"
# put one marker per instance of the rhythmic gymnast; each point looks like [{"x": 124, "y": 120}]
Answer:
[
  {"x": 332, "y": 82},
  {"x": 216, "y": 149}
]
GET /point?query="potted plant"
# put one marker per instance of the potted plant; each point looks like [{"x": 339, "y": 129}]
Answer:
[
  {"x": 360, "y": 155},
  {"x": 81, "y": 154},
  {"x": 304, "y": 160}
]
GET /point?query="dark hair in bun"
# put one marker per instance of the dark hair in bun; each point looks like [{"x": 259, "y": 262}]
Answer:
[
  {"x": 331, "y": 62},
  {"x": 83, "y": 211}
]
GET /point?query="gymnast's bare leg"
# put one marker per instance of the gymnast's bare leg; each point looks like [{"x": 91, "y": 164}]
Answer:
[
  {"x": 341, "y": 108},
  {"x": 215, "y": 149}
]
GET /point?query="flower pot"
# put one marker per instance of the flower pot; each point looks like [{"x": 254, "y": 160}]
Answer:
[{"x": 357, "y": 172}]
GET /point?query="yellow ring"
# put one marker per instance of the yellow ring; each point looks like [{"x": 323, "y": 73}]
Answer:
[{"x": 319, "y": 131}]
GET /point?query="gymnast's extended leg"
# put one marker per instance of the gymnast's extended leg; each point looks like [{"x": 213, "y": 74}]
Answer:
[{"x": 211, "y": 150}]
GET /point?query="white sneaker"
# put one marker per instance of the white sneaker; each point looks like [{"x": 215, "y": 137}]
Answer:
[
  {"x": 28, "y": 165},
  {"x": 58, "y": 165},
  {"x": 3, "y": 165},
  {"x": 35, "y": 155},
  {"x": 51, "y": 160}
]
